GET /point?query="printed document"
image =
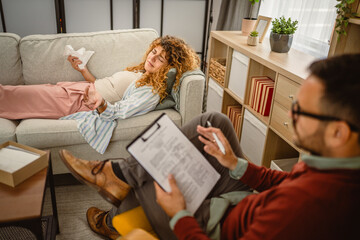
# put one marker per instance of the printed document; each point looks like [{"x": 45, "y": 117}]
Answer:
[{"x": 162, "y": 149}]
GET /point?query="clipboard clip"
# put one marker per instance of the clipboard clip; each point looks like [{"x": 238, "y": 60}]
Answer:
[{"x": 154, "y": 128}]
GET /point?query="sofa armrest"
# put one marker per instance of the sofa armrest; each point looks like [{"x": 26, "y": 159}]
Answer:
[{"x": 191, "y": 97}]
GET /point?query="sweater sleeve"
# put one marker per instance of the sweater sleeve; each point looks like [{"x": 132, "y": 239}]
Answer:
[
  {"x": 262, "y": 178},
  {"x": 141, "y": 101}
]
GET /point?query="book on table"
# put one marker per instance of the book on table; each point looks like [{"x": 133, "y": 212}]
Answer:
[{"x": 19, "y": 162}]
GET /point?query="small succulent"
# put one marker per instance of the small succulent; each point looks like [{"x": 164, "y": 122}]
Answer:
[{"x": 254, "y": 34}]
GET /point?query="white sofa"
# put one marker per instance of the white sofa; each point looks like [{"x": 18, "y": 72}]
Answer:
[{"x": 38, "y": 59}]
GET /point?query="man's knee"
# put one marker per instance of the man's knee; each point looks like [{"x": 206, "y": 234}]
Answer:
[{"x": 218, "y": 120}]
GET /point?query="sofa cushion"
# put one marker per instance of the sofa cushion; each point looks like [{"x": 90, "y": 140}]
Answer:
[
  {"x": 46, "y": 133},
  {"x": 10, "y": 64},
  {"x": 7, "y": 130},
  {"x": 44, "y": 61}
]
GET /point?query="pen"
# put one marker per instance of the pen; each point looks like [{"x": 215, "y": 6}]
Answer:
[{"x": 221, "y": 147}]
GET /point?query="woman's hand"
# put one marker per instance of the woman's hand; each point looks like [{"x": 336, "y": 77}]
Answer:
[
  {"x": 228, "y": 160},
  {"x": 75, "y": 61},
  {"x": 92, "y": 98},
  {"x": 171, "y": 202}
]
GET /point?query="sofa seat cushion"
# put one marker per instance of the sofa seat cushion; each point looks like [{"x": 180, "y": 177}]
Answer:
[
  {"x": 47, "y": 133},
  {"x": 7, "y": 130}
]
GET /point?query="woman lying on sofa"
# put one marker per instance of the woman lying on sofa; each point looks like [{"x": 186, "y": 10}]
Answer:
[{"x": 145, "y": 86}]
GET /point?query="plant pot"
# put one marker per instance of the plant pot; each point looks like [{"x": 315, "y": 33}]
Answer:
[
  {"x": 280, "y": 43},
  {"x": 247, "y": 25},
  {"x": 252, "y": 41}
]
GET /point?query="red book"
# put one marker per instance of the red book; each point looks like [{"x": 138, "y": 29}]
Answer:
[
  {"x": 260, "y": 93},
  {"x": 264, "y": 90},
  {"x": 254, "y": 81},
  {"x": 267, "y": 103}
]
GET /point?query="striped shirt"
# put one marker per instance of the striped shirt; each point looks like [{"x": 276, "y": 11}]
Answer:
[{"x": 97, "y": 129}]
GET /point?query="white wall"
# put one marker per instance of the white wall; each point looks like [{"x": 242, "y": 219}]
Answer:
[
  {"x": 25, "y": 17},
  {"x": 122, "y": 14},
  {"x": 87, "y": 15},
  {"x": 150, "y": 14}
]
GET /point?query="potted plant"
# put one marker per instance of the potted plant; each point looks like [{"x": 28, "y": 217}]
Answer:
[
  {"x": 253, "y": 38},
  {"x": 345, "y": 12},
  {"x": 248, "y": 23},
  {"x": 281, "y": 35}
]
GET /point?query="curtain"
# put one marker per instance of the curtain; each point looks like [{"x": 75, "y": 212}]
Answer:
[
  {"x": 232, "y": 12},
  {"x": 316, "y": 22}
]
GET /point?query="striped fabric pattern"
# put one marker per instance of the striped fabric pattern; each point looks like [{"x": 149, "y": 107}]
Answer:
[{"x": 97, "y": 129}]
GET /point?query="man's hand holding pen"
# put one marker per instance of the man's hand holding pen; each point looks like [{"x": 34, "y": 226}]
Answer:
[{"x": 228, "y": 160}]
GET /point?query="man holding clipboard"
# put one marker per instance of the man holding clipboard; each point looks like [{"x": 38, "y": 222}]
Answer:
[{"x": 129, "y": 172}]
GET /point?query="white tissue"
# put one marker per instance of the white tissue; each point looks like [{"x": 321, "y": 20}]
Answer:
[{"x": 82, "y": 54}]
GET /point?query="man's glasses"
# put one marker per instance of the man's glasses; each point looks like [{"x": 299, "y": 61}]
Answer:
[{"x": 296, "y": 112}]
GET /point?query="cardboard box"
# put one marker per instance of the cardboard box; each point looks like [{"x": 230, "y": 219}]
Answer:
[{"x": 13, "y": 178}]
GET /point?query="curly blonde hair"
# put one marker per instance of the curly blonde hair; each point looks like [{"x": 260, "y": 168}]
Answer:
[{"x": 179, "y": 55}]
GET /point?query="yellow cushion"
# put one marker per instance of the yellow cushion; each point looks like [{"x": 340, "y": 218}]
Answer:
[
  {"x": 138, "y": 234},
  {"x": 129, "y": 220}
]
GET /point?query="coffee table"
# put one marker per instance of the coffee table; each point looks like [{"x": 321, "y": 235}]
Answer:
[{"x": 22, "y": 205}]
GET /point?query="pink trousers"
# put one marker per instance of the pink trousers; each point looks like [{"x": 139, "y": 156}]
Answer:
[{"x": 42, "y": 101}]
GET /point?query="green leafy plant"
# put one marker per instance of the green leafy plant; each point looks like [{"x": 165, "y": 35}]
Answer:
[
  {"x": 254, "y": 34},
  {"x": 283, "y": 26},
  {"x": 344, "y": 11},
  {"x": 251, "y": 7}
]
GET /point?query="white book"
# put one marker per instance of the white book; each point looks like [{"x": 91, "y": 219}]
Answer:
[{"x": 14, "y": 158}]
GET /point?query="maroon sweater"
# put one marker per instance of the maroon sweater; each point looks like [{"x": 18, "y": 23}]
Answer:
[{"x": 304, "y": 204}]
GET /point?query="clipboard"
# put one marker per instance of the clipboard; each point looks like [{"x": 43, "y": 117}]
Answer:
[{"x": 162, "y": 149}]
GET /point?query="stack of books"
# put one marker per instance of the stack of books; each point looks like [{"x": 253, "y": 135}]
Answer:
[
  {"x": 261, "y": 93},
  {"x": 234, "y": 114}
]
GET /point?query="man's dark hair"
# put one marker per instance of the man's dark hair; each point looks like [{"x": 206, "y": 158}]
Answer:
[{"x": 341, "y": 80}]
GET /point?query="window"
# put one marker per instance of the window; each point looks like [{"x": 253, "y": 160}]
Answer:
[{"x": 316, "y": 22}]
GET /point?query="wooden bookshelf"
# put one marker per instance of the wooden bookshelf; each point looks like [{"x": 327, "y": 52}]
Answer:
[{"x": 289, "y": 69}]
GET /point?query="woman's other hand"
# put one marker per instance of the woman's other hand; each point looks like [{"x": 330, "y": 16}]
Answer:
[
  {"x": 75, "y": 62},
  {"x": 228, "y": 160},
  {"x": 92, "y": 98}
]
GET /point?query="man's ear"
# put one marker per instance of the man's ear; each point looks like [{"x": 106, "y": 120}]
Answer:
[{"x": 337, "y": 134}]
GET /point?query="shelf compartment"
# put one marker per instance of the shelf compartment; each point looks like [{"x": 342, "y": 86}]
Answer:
[
  {"x": 277, "y": 148},
  {"x": 264, "y": 119},
  {"x": 233, "y": 95},
  {"x": 252, "y": 140},
  {"x": 234, "y": 113},
  {"x": 256, "y": 70},
  {"x": 238, "y": 74}
]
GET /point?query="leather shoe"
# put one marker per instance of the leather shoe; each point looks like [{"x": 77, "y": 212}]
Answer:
[
  {"x": 96, "y": 219},
  {"x": 97, "y": 174}
]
